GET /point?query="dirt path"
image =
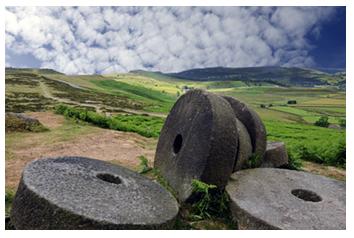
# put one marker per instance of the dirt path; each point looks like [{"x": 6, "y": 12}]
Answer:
[
  {"x": 113, "y": 146},
  {"x": 46, "y": 93}
]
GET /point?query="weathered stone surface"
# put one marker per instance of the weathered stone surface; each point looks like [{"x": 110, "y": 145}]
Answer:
[
  {"x": 269, "y": 198},
  {"x": 244, "y": 150},
  {"x": 197, "y": 141},
  {"x": 82, "y": 193},
  {"x": 275, "y": 156},
  {"x": 253, "y": 123}
]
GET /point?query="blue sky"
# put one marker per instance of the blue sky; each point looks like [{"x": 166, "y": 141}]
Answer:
[{"x": 88, "y": 40}]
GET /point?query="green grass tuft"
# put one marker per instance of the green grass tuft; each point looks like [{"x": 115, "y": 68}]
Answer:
[
  {"x": 9, "y": 197},
  {"x": 209, "y": 202},
  {"x": 144, "y": 165}
]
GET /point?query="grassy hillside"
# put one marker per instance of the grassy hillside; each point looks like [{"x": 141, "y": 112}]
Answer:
[
  {"x": 31, "y": 70},
  {"x": 114, "y": 93},
  {"x": 136, "y": 98},
  {"x": 276, "y": 75}
]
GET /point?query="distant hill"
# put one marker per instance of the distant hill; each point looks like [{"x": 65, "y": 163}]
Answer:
[
  {"x": 282, "y": 76},
  {"x": 154, "y": 74},
  {"x": 31, "y": 70},
  {"x": 332, "y": 70},
  {"x": 276, "y": 75}
]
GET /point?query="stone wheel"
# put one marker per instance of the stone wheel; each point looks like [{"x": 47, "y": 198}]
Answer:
[
  {"x": 253, "y": 123},
  {"x": 268, "y": 198},
  {"x": 82, "y": 193},
  {"x": 244, "y": 151},
  {"x": 198, "y": 141}
]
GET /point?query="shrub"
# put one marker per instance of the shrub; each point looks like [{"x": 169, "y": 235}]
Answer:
[
  {"x": 209, "y": 201},
  {"x": 308, "y": 142},
  {"x": 340, "y": 156},
  {"x": 202, "y": 206},
  {"x": 322, "y": 121},
  {"x": 342, "y": 123},
  {"x": 144, "y": 125},
  {"x": 294, "y": 162},
  {"x": 292, "y": 102},
  {"x": 335, "y": 155}
]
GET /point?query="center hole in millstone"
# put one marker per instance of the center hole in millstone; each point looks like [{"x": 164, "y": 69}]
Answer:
[
  {"x": 109, "y": 178},
  {"x": 177, "y": 144},
  {"x": 306, "y": 195}
]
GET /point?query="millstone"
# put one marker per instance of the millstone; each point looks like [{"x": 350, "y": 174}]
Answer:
[
  {"x": 275, "y": 156},
  {"x": 269, "y": 198},
  {"x": 253, "y": 123},
  {"x": 197, "y": 141},
  {"x": 83, "y": 193},
  {"x": 244, "y": 150}
]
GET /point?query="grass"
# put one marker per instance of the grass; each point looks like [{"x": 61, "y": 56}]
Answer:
[
  {"x": 157, "y": 93},
  {"x": 69, "y": 130},
  {"x": 307, "y": 142},
  {"x": 9, "y": 197},
  {"x": 133, "y": 90},
  {"x": 154, "y": 100},
  {"x": 208, "y": 208},
  {"x": 147, "y": 126},
  {"x": 307, "y": 115},
  {"x": 143, "y": 165}
]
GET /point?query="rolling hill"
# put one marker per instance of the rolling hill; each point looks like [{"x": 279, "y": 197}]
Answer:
[
  {"x": 282, "y": 76},
  {"x": 141, "y": 100}
]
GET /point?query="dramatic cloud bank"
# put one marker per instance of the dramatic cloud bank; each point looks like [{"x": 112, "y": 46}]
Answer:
[{"x": 87, "y": 40}]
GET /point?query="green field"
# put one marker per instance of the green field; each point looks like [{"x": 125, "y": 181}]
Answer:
[{"x": 133, "y": 101}]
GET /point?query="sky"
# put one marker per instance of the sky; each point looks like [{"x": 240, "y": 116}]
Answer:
[{"x": 103, "y": 40}]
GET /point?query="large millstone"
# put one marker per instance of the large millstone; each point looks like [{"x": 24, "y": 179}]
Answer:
[
  {"x": 197, "y": 141},
  {"x": 268, "y": 198},
  {"x": 275, "y": 156},
  {"x": 253, "y": 123},
  {"x": 244, "y": 151},
  {"x": 82, "y": 193}
]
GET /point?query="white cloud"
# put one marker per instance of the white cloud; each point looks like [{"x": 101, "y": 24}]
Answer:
[{"x": 89, "y": 40}]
